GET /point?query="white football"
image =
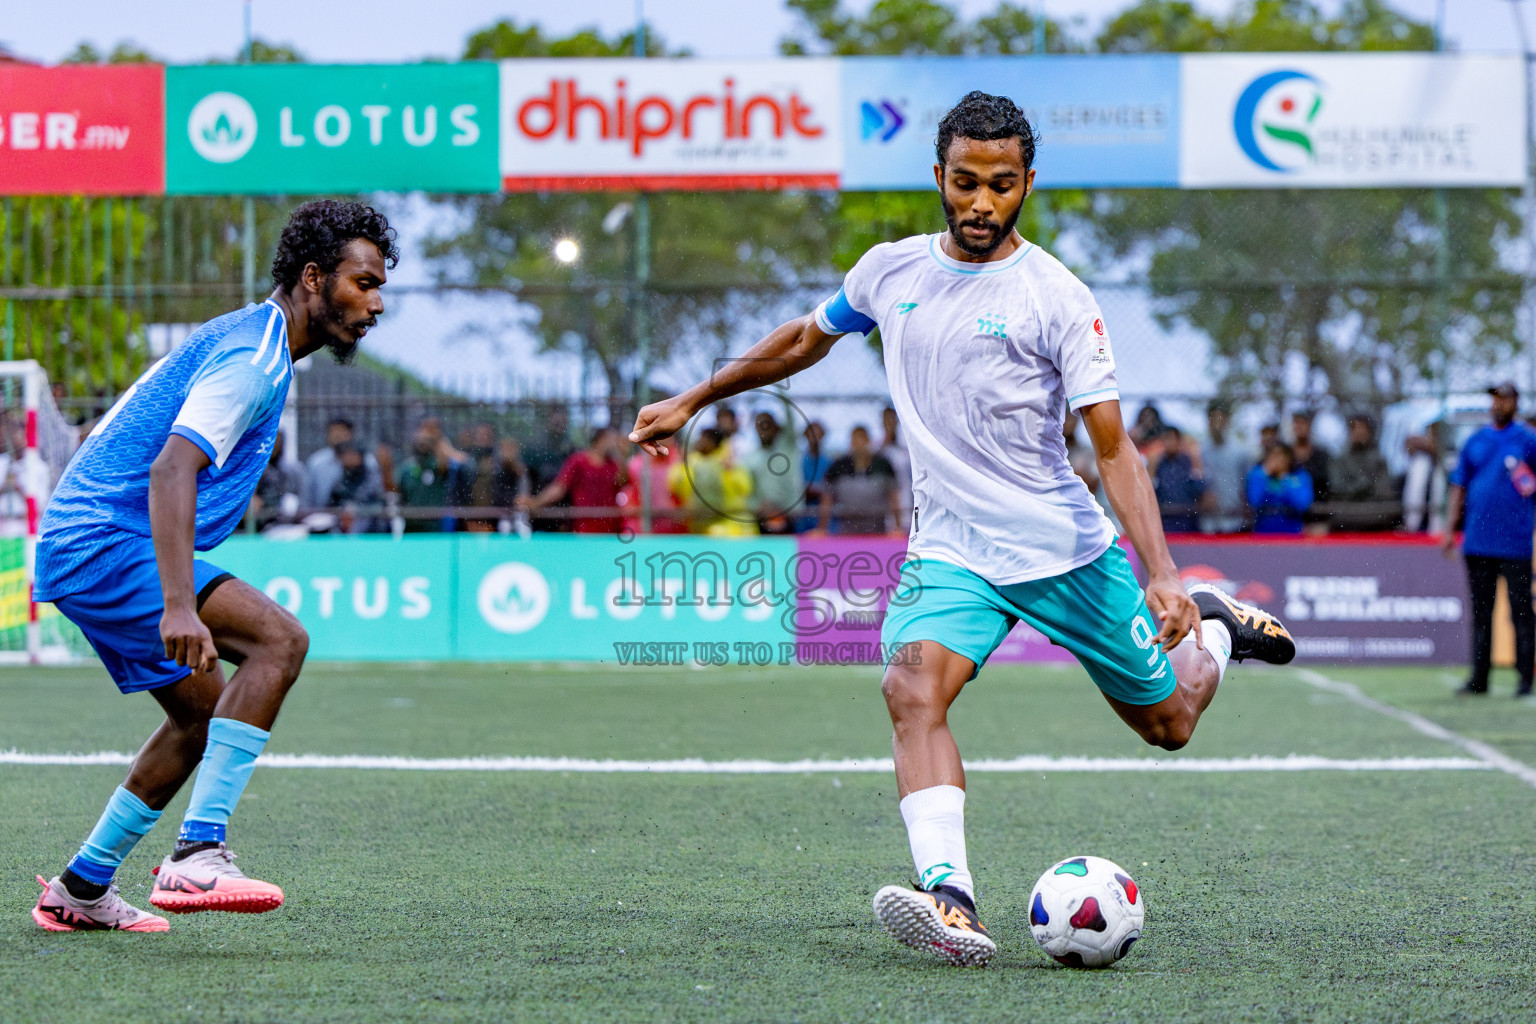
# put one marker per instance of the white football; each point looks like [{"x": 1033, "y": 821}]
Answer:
[{"x": 1086, "y": 912}]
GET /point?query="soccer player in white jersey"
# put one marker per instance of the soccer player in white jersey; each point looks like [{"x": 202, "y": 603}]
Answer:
[{"x": 988, "y": 342}]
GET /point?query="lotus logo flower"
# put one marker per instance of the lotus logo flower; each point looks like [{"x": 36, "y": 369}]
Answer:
[
  {"x": 222, "y": 133},
  {"x": 1274, "y": 117},
  {"x": 513, "y": 597},
  {"x": 222, "y": 127}
]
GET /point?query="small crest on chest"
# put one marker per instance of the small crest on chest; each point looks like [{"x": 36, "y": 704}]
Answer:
[{"x": 994, "y": 324}]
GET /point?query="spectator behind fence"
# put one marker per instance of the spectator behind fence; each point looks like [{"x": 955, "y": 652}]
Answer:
[
  {"x": 1269, "y": 436},
  {"x": 1425, "y": 483},
  {"x": 493, "y": 476},
  {"x": 324, "y": 466},
  {"x": 1359, "y": 474},
  {"x": 427, "y": 477},
  {"x": 813, "y": 470},
  {"x": 1178, "y": 480},
  {"x": 280, "y": 491},
  {"x": 727, "y": 424},
  {"x": 546, "y": 451},
  {"x": 860, "y": 490},
  {"x": 1280, "y": 493},
  {"x": 1226, "y": 463},
  {"x": 1148, "y": 426},
  {"x": 716, "y": 491},
  {"x": 777, "y": 486},
  {"x": 357, "y": 494},
  {"x": 590, "y": 479},
  {"x": 1309, "y": 455},
  {"x": 658, "y": 468},
  {"x": 894, "y": 449},
  {"x": 1494, "y": 485}
]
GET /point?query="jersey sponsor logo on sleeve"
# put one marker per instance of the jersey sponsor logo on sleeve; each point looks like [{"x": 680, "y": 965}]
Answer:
[{"x": 1101, "y": 356}]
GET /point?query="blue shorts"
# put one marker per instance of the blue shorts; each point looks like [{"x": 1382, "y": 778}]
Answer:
[
  {"x": 1096, "y": 611},
  {"x": 120, "y": 616}
]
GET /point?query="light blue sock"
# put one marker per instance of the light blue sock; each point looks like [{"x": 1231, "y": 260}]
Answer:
[
  {"x": 227, "y": 765},
  {"x": 126, "y": 820}
]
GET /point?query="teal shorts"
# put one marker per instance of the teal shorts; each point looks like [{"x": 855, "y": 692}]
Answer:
[{"x": 1096, "y": 611}]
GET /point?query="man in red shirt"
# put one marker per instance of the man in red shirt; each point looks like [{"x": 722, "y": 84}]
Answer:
[{"x": 592, "y": 478}]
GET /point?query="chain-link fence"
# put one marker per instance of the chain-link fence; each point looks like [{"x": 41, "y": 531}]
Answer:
[{"x": 1391, "y": 303}]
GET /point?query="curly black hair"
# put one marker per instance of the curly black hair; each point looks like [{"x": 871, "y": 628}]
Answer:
[
  {"x": 981, "y": 115},
  {"x": 318, "y": 231}
]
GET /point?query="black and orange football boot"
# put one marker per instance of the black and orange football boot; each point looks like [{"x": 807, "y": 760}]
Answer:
[
  {"x": 1255, "y": 632},
  {"x": 941, "y": 921}
]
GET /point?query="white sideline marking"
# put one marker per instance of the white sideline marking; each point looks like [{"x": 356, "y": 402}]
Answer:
[
  {"x": 697, "y": 766},
  {"x": 1477, "y": 748}
]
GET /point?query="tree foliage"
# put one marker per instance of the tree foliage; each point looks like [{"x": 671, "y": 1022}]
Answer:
[
  {"x": 508, "y": 39},
  {"x": 1371, "y": 289},
  {"x": 918, "y": 27}
]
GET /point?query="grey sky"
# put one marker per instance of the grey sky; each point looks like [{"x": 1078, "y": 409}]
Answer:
[{"x": 406, "y": 30}]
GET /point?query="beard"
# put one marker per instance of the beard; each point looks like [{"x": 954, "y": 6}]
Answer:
[
  {"x": 971, "y": 248},
  {"x": 338, "y": 329}
]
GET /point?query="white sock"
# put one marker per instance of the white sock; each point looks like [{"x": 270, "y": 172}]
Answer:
[
  {"x": 1218, "y": 643},
  {"x": 935, "y": 820}
]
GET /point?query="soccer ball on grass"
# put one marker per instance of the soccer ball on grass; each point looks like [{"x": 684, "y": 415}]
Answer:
[{"x": 1085, "y": 912}]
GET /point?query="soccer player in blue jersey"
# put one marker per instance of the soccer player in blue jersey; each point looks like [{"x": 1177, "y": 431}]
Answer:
[
  {"x": 988, "y": 343},
  {"x": 170, "y": 471}
]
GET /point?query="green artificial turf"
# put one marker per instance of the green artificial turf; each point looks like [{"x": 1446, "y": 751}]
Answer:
[{"x": 459, "y": 896}]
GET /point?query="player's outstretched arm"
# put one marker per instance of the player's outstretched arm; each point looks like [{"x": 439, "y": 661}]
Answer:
[
  {"x": 1130, "y": 492},
  {"x": 173, "y": 522},
  {"x": 788, "y": 349}
]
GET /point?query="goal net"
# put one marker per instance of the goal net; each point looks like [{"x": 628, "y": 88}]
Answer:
[{"x": 35, "y": 445}]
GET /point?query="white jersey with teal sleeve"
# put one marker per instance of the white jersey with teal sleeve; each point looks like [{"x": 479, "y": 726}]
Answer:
[
  {"x": 223, "y": 390},
  {"x": 983, "y": 360}
]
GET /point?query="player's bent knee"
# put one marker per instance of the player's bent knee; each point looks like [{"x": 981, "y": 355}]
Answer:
[
  {"x": 1170, "y": 732},
  {"x": 910, "y": 693},
  {"x": 295, "y": 646},
  {"x": 286, "y": 642}
]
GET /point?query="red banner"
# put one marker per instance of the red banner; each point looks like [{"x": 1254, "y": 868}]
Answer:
[{"x": 82, "y": 130}]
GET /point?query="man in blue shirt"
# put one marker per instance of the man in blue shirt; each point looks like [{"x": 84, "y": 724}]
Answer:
[
  {"x": 1495, "y": 486},
  {"x": 167, "y": 472},
  {"x": 1279, "y": 493}
]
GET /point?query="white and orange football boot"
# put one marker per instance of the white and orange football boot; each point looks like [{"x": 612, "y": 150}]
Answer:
[
  {"x": 209, "y": 880},
  {"x": 58, "y": 911}
]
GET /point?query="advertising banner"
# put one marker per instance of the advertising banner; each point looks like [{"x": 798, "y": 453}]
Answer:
[
  {"x": 82, "y": 130},
  {"x": 312, "y": 128},
  {"x": 1103, "y": 121},
  {"x": 360, "y": 598},
  {"x": 684, "y": 600},
  {"x": 669, "y": 124},
  {"x": 1357, "y": 602},
  {"x": 1285, "y": 120},
  {"x": 670, "y": 600}
]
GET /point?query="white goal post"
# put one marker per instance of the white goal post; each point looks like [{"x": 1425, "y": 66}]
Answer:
[{"x": 36, "y": 443}]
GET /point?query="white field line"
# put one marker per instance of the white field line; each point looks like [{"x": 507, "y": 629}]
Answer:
[
  {"x": 1477, "y": 748},
  {"x": 696, "y": 766}
]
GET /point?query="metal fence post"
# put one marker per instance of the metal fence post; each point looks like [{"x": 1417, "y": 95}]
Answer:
[{"x": 642, "y": 301}]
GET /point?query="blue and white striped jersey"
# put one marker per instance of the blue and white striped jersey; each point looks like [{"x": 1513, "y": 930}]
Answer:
[{"x": 223, "y": 390}]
